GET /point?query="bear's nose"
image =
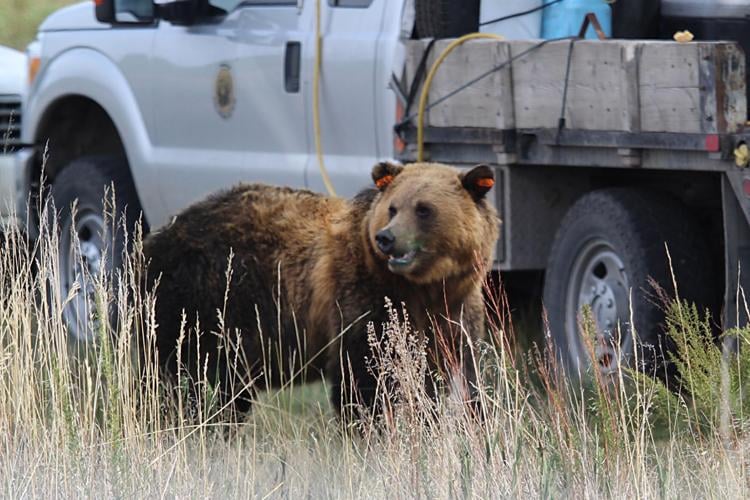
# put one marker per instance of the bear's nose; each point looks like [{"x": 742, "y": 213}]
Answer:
[{"x": 385, "y": 240}]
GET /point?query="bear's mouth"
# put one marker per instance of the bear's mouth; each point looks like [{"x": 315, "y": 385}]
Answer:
[{"x": 402, "y": 260}]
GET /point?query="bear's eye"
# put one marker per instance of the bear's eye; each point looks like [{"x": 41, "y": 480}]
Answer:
[
  {"x": 392, "y": 211},
  {"x": 423, "y": 211}
]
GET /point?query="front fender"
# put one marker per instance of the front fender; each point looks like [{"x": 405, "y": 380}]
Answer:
[{"x": 89, "y": 73}]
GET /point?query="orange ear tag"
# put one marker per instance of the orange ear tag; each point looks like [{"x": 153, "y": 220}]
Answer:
[
  {"x": 384, "y": 181},
  {"x": 486, "y": 182}
]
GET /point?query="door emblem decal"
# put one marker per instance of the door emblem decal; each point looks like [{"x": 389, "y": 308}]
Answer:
[{"x": 224, "y": 99}]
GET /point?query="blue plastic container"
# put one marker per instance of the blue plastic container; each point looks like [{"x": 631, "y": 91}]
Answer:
[{"x": 565, "y": 18}]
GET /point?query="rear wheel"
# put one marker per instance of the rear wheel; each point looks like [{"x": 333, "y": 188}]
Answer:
[
  {"x": 609, "y": 247},
  {"x": 446, "y": 18},
  {"x": 89, "y": 244}
]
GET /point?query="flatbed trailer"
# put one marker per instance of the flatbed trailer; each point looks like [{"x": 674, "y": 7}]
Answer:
[{"x": 573, "y": 121}]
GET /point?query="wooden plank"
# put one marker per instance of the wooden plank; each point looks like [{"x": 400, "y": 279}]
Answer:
[
  {"x": 413, "y": 50},
  {"x": 614, "y": 85},
  {"x": 487, "y": 103},
  {"x": 669, "y": 83},
  {"x": 601, "y": 93},
  {"x": 692, "y": 87},
  {"x": 707, "y": 87},
  {"x": 723, "y": 84},
  {"x": 631, "y": 94}
]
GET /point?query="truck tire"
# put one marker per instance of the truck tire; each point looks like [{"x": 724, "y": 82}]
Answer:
[
  {"x": 100, "y": 243},
  {"x": 446, "y": 18},
  {"x": 609, "y": 246}
]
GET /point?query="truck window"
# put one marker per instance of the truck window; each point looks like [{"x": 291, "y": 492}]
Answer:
[
  {"x": 230, "y": 5},
  {"x": 141, "y": 9},
  {"x": 362, "y": 4}
]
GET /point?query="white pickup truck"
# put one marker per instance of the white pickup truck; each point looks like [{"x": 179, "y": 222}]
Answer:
[
  {"x": 172, "y": 100},
  {"x": 219, "y": 93}
]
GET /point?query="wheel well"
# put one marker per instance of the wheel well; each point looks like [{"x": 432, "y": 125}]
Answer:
[
  {"x": 700, "y": 193},
  {"x": 537, "y": 198},
  {"x": 534, "y": 199},
  {"x": 73, "y": 126}
]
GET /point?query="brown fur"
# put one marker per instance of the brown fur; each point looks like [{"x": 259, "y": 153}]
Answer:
[{"x": 309, "y": 264}]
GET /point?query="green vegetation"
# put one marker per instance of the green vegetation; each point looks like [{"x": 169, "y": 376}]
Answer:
[
  {"x": 98, "y": 422},
  {"x": 19, "y": 19}
]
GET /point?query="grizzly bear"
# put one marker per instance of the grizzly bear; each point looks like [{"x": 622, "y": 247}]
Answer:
[{"x": 284, "y": 282}]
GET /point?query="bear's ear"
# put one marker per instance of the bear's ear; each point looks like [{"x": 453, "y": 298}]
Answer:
[
  {"x": 384, "y": 172},
  {"x": 478, "y": 181}
]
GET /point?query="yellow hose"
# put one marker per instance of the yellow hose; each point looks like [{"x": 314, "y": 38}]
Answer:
[
  {"x": 316, "y": 103},
  {"x": 428, "y": 81}
]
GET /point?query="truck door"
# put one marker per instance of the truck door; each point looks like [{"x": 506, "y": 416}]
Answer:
[
  {"x": 350, "y": 30},
  {"x": 223, "y": 112}
]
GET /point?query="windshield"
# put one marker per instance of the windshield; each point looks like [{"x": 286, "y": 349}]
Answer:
[{"x": 230, "y": 5}]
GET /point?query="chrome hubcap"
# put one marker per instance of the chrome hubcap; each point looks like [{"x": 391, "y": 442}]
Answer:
[
  {"x": 80, "y": 265},
  {"x": 599, "y": 283}
]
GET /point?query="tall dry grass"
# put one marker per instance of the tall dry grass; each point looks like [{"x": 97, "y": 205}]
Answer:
[{"x": 96, "y": 420}]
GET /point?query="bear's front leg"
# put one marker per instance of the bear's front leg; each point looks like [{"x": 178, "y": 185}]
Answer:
[
  {"x": 355, "y": 393},
  {"x": 473, "y": 331}
]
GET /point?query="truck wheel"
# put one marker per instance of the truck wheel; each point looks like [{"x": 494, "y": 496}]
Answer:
[
  {"x": 609, "y": 247},
  {"x": 446, "y": 18},
  {"x": 82, "y": 184}
]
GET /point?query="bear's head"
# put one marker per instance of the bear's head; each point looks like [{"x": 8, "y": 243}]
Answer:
[{"x": 431, "y": 222}]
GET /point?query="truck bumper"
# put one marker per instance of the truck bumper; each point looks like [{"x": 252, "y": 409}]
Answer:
[{"x": 14, "y": 188}]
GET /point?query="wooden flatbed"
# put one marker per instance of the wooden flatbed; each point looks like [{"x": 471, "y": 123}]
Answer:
[{"x": 569, "y": 118}]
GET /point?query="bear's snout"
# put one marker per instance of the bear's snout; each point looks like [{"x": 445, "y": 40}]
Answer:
[{"x": 386, "y": 241}]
